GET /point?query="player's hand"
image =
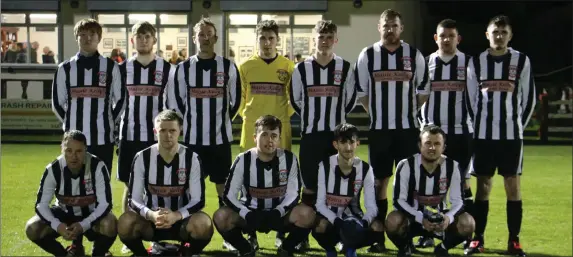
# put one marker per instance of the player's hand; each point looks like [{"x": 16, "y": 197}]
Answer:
[
  {"x": 444, "y": 225},
  {"x": 64, "y": 232},
  {"x": 153, "y": 216},
  {"x": 256, "y": 220},
  {"x": 76, "y": 230},
  {"x": 274, "y": 219},
  {"x": 168, "y": 218},
  {"x": 428, "y": 226}
]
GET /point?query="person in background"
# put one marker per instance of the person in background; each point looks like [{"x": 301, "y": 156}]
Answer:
[
  {"x": 298, "y": 58},
  {"x": 174, "y": 58},
  {"x": 34, "y": 52},
  {"x": 11, "y": 54},
  {"x": 48, "y": 56},
  {"x": 160, "y": 53},
  {"x": 115, "y": 56},
  {"x": 182, "y": 54}
]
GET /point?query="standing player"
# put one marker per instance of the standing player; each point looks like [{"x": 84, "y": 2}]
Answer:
[
  {"x": 167, "y": 193},
  {"x": 392, "y": 78},
  {"x": 80, "y": 182},
  {"x": 267, "y": 180},
  {"x": 502, "y": 97},
  {"x": 447, "y": 106},
  {"x": 87, "y": 94},
  {"x": 342, "y": 178},
  {"x": 421, "y": 184},
  {"x": 207, "y": 93}
]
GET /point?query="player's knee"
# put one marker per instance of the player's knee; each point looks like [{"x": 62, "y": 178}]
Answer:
[
  {"x": 484, "y": 184},
  {"x": 200, "y": 226},
  {"x": 34, "y": 228},
  {"x": 126, "y": 225},
  {"x": 465, "y": 225},
  {"x": 108, "y": 226},
  {"x": 377, "y": 226},
  {"x": 512, "y": 187},
  {"x": 223, "y": 219},
  {"x": 395, "y": 221},
  {"x": 302, "y": 216},
  {"x": 322, "y": 226}
]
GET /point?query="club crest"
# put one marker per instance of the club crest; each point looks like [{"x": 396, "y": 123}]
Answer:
[
  {"x": 337, "y": 76},
  {"x": 283, "y": 176},
  {"x": 102, "y": 78},
  {"x": 181, "y": 175},
  {"x": 220, "y": 78},
  {"x": 158, "y": 76},
  {"x": 357, "y": 185},
  {"x": 89, "y": 186},
  {"x": 443, "y": 185},
  {"x": 461, "y": 73},
  {"x": 282, "y": 75},
  {"x": 512, "y": 75},
  {"x": 407, "y": 62}
]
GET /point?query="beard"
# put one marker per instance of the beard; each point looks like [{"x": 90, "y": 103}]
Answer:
[
  {"x": 144, "y": 51},
  {"x": 430, "y": 159}
]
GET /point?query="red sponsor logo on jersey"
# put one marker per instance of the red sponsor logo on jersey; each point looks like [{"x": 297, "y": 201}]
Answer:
[
  {"x": 461, "y": 73},
  {"x": 206, "y": 92},
  {"x": 337, "y": 200},
  {"x": 498, "y": 86},
  {"x": 357, "y": 185},
  {"x": 407, "y": 62},
  {"x": 512, "y": 75},
  {"x": 429, "y": 200},
  {"x": 267, "y": 89},
  {"x": 337, "y": 76},
  {"x": 182, "y": 175},
  {"x": 448, "y": 86},
  {"x": 102, "y": 78},
  {"x": 268, "y": 193},
  {"x": 166, "y": 191},
  {"x": 80, "y": 201},
  {"x": 392, "y": 75},
  {"x": 283, "y": 75},
  {"x": 88, "y": 92},
  {"x": 326, "y": 91},
  {"x": 283, "y": 176},
  {"x": 143, "y": 90},
  {"x": 158, "y": 77},
  {"x": 220, "y": 76}
]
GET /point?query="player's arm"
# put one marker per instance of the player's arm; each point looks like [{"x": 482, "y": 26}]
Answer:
[
  {"x": 244, "y": 84},
  {"x": 363, "y": 79},
  {"x": 168, "y": 86},
  {"x": 421, "y": 79},
  {"x": 402, "y": 191},
  {"x": 118, "y": 93},
  {"x": 177, "y": 93},
  {"x": 293, "y": 189},
  {"x": 59, "y": 93},
  {"x": 44, "y": 197},
  {"x": 196, "y": 190},
  {"x": 455, "y": 194},
  {"x": 528, "y": 93},
  {"x": 321, "y": 206},
  {"x": 234, "y": 90},
  {"x": 290, "y": 106},
  {"x": 295, "y": 91},
  {"x": 472, "y": 87},
  {"x": 234, "y": 185},
  {"x": 103, "y": 197},
  {"x": 369, "y": 197},
  {"x": 137, "y": 187},
  {"x": 350, "y": 92}
]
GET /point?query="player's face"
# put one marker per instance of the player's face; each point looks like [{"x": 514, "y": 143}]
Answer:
[
  {"x": 74, "y": 151},
  {"x": 144, "y": 42},
  {"x": 167, "y": 133},
  {"x": 447, "y": 40},
  {"x": 267, "y": 42},
  {"x": 325, "y": 42},
  {"x": 390, "y": 30},
  {"x": 432, "y": 146},
  {"x": 498, "y": 37},
  {"x": 267, "y": 140},
  {"x": 205, "y": 38},
  {"x": 347, "y": 148},
  {"x": 88, "y": 40}
]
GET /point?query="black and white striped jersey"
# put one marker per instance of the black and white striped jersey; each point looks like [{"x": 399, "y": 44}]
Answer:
[
  {"x": 391, "y": 80},
  {"x": 207, "y": 92},
  {"x": 156, "y": 184},
  {"x": 87, "y": 195},
  {"x": 415, "y": 188},
  {"x": 446, "y": 107},
  {"x": 322, "y": 96},
  {"x": 339, "y": 195},
  {"x": 263, "y": 185},
  {"x": 145, "y": 97},
  {"x": 502, "y": 95},
  {"x": 87, "y": 95}
]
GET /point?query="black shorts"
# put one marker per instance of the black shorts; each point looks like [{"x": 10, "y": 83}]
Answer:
[
  {"x": 460, "y": 148},
  {"x": 417, "y": 229},
  {"x": 314, "y": 148},
  {"x": 504, "y": 155},
  {"x": 176, "y": 232},
  {"x": 69, "y": 219},
  {"x": 388, "y": 147},
  {"x": 215, "y": 161},
  {"x": 127, "y": 151},
  {"x": 286, "y": 225},
  {"x": 104, "y": 153}
]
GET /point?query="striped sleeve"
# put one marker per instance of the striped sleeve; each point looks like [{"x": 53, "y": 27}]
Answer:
[
  {"x": 471, "y": 89},
  {"x": 293, "y": 187},
  {"x": 196, "y": 189},
  {"x": 321, "y": 206},
  {"x": 59, "y": 93},
  {"x": 528, "y": 93},
  {"x": 296, "y": 88},
  {"x": 402, "y": 190},
  {"x": 350, "y": 91},
  {"x": 369, "y": 197},
  {"x": 178, "y": 92},
  {"x": 103, "y": 196},
  {"x": 234, "y": 90},
  {"x": 118, "y": 93},
  {"x": 234, "y": 185},
  {"x": 362, "y": 75},
  {"x": 137, "y": 186},
  {"x": 455, "y": 193},
  {"x": 44, "y": 197},
  {"x": 168, "y": 85},
  {"x": 422, "y": 79}
]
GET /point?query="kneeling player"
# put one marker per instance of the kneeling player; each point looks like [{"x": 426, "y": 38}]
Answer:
[
  {"x": 340, "y": 179},
  {"x": 267, "y": 179},
  {"x": 167, "y": 194},
  {"x": 421, "y": 184},
  {"x": 80, "y": 182}
]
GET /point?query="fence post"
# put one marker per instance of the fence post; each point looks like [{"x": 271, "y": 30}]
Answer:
[{"x": 544, "y": 116}]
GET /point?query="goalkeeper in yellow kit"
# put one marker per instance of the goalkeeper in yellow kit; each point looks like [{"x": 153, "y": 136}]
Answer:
[{"x": 265, "y": 78}]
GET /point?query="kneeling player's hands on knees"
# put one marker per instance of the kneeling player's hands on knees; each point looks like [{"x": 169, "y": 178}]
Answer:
[
  {"x": 444, "y": 225},
  {"x": 168, "y": 217},
  {"x": 428, "y": 226},
  {"x": 76, "y": 230},
  {"x": 273, "y": 218},
  {"x": 65, "y": 232}
]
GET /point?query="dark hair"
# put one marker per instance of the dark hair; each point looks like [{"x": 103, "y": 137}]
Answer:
[
  {"x": 74, "y": 135},
  {"x": 390, "y": 14},
  {"x": 270, "y": 122},
  {"x": 325, "y": 26},
  {"x": 204, "y": 21},
  {"x": 345, "y": 131},
  {"x": 448, "y": 24},
  {"x": 432, "y": 130},
  {"x": 89, "y": 25},
  {"x": 143, "y": 27},
  {"x": 169, "y": 115},
  {"x": 268, "y": 25},
  {"x": 500, "y": 21}
]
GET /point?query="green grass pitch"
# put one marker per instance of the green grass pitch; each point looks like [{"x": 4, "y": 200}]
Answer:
[{"x": 546, "y": 190}]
